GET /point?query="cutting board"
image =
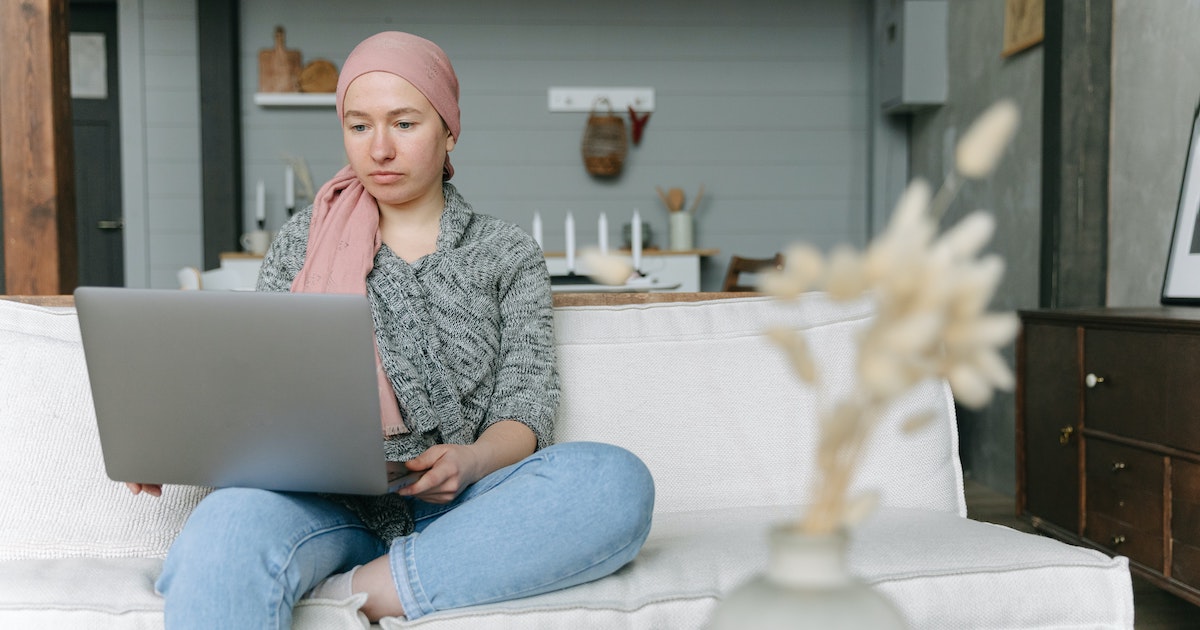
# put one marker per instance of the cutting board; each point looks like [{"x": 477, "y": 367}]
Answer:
[{"x": 278, "y": 67}]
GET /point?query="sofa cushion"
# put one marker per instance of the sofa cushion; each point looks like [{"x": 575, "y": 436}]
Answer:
[
  {"x": 728, "y": 423},
  {"x": 941, "y": 571},
  {"x": 118, "y": 594},
  {"x": 57, "y": 500}
]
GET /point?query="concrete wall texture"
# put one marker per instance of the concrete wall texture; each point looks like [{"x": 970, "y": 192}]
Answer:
[
  {"x": 1155, "y": 93},
  {"x": 978, "y": 76}
]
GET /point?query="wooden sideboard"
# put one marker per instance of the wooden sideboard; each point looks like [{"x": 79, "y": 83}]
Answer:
[{"x": 1108, "y": 435}]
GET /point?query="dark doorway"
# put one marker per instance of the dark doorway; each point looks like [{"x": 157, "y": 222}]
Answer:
[{"x": 96, "y": 112}]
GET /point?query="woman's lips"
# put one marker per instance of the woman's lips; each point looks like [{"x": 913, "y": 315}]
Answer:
[{"x": 385, "y": 177}]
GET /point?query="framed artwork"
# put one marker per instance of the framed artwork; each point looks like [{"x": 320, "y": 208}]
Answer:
[
  {"x": 1024, "y": 25},
  {"x": 1181, "y": 283}
]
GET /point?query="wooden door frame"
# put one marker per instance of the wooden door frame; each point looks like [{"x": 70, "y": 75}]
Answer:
[{"x": 101, "y": 254}]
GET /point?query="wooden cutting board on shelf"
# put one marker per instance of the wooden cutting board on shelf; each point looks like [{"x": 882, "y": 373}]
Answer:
[{"x": 278, "y": 67}]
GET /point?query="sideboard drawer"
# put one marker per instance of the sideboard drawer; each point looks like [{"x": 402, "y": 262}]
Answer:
[
  {"x": 1144, "y": 385},
  {"x": 1141, "y": 508},
  {"x": 1125, "y": 469},
  {"x": 1139, "y": 545},
  {"x": 1185, "y": 502},
  {"x": 1185, "y": 563}
]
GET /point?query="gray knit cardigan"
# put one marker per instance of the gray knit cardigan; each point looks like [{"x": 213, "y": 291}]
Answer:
[{"x": 465, "y": 335}]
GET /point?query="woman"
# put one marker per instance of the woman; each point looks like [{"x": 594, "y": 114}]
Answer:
[{"x": 462, "y": 311}]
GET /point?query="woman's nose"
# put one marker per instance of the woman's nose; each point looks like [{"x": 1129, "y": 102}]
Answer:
[{"x": 382, "y": 148}]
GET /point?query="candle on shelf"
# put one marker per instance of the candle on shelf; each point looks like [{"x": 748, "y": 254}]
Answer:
[
  {"x": 603, "y": 227},
  {"x": 289, "y": 189},
  {"x": 636, "y": 241},
  {"x": 260, "y": 204},
  {"x": 570, "y": 243},
  {"x": 537, "y": 229}
]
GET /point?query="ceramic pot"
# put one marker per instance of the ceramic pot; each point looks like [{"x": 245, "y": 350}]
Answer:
[
  {"x": 681, "y": 231},
  {"x": 806, "y": 585}
]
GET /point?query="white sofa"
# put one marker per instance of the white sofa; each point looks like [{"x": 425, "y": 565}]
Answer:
[{"x": 691, "y": 387}]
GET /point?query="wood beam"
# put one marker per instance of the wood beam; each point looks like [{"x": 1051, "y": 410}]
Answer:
[
  {"x": 1077, "y": 93},
  {"x": 36, "y": 148}
]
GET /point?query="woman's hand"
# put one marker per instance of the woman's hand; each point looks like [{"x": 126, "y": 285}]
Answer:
[
  {"x": 152, "y": 489},
  {"x": 450, "y": 468}
]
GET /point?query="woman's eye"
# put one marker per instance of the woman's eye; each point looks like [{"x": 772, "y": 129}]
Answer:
[
  {"x": 358, "y": 128},
  {"x": 404, "y": 125}
]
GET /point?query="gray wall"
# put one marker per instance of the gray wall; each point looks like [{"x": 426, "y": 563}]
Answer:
[
  {"x": 978, "y": 77},
  {"x": 1156, "y": 89},
  {"x": 766, "y": 103}
]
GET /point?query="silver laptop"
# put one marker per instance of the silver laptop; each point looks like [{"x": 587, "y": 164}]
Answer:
[{"x": 230, "y": 388}]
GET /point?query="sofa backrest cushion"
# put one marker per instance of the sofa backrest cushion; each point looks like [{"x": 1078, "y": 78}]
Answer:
[
  {"x": 713, "y": 408},
  {"x": 56, "y": 499}
]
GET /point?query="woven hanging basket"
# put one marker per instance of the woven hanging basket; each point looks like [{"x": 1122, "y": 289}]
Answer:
[{"x": 604, "y": 143}]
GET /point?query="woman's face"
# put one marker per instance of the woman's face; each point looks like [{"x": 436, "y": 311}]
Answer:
[{"x": 395, "y": 140}]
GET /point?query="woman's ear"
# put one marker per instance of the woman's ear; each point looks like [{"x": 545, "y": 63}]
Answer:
[{"x": 449, "y": 141}]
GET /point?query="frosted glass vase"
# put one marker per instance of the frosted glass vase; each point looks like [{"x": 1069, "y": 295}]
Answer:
[{"x": 806, "y": 585}]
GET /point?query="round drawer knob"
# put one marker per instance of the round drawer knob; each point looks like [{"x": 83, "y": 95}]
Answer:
[
  {"x": 1118, "y": 466},
  {"x": 1118, "y": 539},
  {"x": 1064, "y": 435},
  {"x": 1092, "y": 380}
]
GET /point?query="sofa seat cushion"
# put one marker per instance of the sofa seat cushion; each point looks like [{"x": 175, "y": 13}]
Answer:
[
  {"x": 941, "y": 570},
  {"x": 118, "y": 593}
]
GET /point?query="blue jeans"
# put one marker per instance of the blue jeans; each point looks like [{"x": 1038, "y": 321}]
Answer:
[{"x": 566, "y": 515}]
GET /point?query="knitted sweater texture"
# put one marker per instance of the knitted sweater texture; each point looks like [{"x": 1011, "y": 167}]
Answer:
[{"x": 465, "y": 335}]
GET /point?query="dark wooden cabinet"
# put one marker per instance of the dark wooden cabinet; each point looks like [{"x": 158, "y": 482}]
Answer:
[
  {"x": 1108, "y": 435},
  {"x": 1051, "y": 384}
]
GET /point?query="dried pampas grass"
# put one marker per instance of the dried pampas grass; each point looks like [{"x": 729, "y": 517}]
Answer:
[{"x": 931, "y": 293}]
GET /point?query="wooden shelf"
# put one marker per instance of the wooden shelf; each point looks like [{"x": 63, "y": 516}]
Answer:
[{"x": 294, "y": 99}]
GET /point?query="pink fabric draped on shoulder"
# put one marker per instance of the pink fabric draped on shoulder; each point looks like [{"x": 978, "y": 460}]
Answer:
[{"x": 343, "y": 239}]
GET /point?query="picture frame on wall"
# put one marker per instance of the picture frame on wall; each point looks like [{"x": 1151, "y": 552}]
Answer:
[
  {"x": 1181, "y": 282},
  {"x": 1024, "y": 25}
]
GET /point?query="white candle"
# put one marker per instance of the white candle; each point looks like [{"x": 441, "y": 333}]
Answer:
[
  {"x": 289, "y": 187},
  {"x": 570, "y": 243},
  {"x": 537, "y": 229},
  {"x": 637, "y": 240},
  {"x": 260, "y": 202},
  {"x": 603, "y": 227}
]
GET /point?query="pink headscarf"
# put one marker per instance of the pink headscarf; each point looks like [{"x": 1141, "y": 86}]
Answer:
[
  {"x": 343, "y": 236},
  {"x": 414, "y": 59}
]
